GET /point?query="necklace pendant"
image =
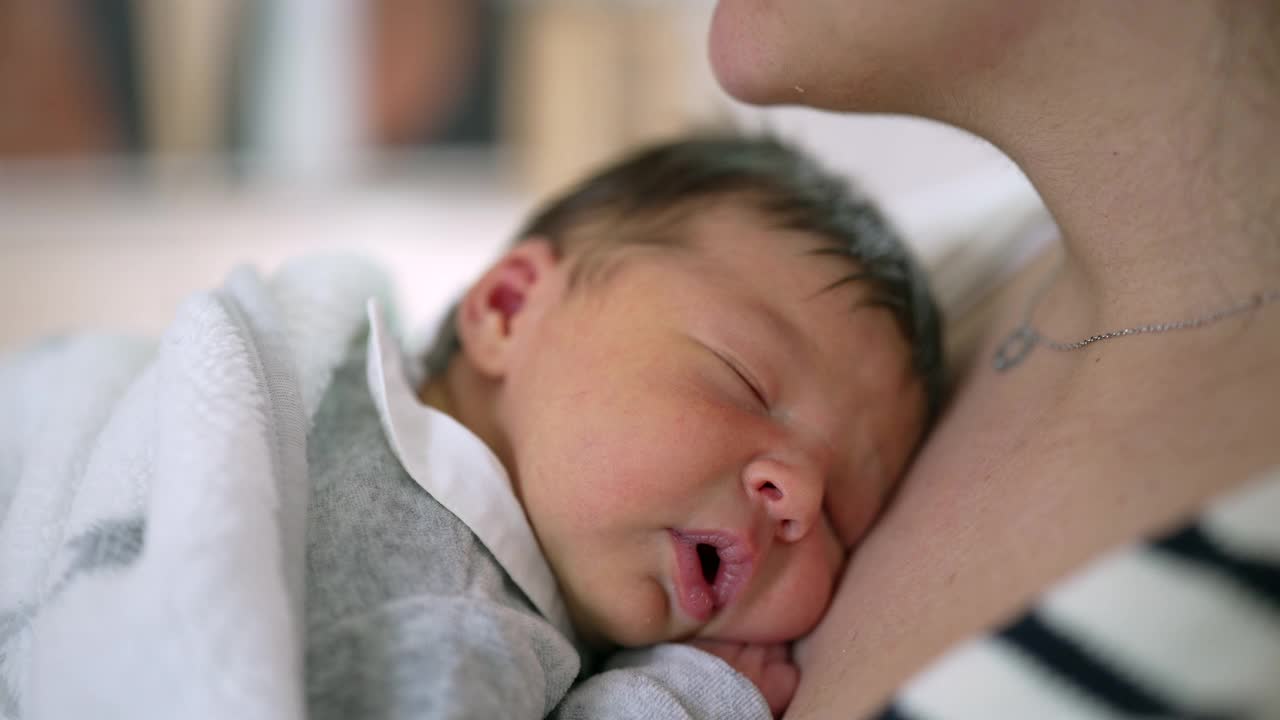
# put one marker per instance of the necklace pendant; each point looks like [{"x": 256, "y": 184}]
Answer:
[{"x": 1015, "y": 348}]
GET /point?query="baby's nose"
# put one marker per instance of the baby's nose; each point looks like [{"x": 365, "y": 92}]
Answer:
[{"x": 790, "y": 494}]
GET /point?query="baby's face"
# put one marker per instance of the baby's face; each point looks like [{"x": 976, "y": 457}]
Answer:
[{"x": 699, "y": 439}]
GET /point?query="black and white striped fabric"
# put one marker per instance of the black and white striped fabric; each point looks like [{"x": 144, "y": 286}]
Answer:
[{"x": 1184, "y": 626}]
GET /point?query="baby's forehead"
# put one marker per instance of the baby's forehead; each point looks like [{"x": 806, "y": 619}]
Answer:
[
  {"x": 789, "y": 288},
  {"x": 797, "y": 286},
  {"x": 808, "y": 268}
]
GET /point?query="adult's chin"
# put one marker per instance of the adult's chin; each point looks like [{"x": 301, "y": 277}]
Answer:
[
  {"x": 743, "y": 58},
  {"x": 763, "y": 56}
]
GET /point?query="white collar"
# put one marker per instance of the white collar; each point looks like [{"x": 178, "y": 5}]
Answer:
[{"x": 460, "y": 472}]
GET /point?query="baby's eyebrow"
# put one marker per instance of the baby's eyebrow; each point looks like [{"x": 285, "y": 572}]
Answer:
[
  {"x": 768, "y": 337},
  {"x": 872, "y": 295},
  {"x": 768, "y": 322}
]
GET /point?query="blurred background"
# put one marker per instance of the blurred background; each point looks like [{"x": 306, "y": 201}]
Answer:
[{"x": 149, "y": 146}]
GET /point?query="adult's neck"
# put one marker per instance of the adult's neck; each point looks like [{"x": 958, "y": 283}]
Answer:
[{"x": 1157, "y": 154}]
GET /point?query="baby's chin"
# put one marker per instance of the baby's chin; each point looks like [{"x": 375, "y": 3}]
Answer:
[
  {"x": 645, "y": 621},
  {"x": 782, "y": 632},
  {"x": 636, "y": 634},
  {"x": 765, "y": 635},
  {"x": 617, "y": 627}
]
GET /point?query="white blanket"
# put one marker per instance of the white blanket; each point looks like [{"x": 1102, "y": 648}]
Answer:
[{"x": 195, "y": 445}]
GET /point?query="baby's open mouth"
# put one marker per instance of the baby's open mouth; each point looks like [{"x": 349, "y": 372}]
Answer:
[
  {"x": 712, "y": 566},
  {"x": 710, "y": 559}
]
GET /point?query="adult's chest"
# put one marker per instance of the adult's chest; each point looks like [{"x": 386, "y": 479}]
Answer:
[
  {"x": 1021, "y": 484},
  {"x": 923, "y": 578},
  {"x": 1003, "y": 500}
]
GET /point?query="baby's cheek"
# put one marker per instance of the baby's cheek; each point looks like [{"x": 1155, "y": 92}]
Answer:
[
  {"x": 636, "y": 614},
  {"x": 853, "y": 507},
  {"x": 793, "y": 602},
  {"x": 615, "y": 602},
  {"x": 814, "y": 582},
  {"x": 649, "y": 467}
]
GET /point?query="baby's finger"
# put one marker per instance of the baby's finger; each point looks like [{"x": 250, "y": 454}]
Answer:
[
  {"x": 779, "y": 652},
  {"x": 751, "y": 660},
  {"x": 778, "y": 685},
  {"x": 727, "y": 651}
]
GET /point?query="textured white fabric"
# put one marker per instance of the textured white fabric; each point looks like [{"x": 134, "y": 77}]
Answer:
[{"x": 196, "y": 445}]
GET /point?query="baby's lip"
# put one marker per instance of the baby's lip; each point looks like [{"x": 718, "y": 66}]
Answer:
[{"x": 697, "y": 597}]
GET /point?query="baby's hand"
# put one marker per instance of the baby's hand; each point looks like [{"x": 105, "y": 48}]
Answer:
[{"x": 768, "y": 666}]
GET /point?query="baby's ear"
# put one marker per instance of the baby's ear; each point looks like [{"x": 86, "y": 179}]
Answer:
[{"x": 502, "y": 303}]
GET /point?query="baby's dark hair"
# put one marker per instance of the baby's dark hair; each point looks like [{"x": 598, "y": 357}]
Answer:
[{"x": 648, "y": 197}]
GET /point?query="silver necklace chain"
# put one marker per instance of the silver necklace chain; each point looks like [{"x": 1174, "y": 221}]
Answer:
[{"x": 1024, "y": 338}]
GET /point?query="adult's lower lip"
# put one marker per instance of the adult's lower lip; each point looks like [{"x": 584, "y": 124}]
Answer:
[{"x": 699, "y": 598}]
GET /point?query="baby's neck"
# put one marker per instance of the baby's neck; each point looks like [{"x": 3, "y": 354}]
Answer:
[
  {"x": 468, "y": 397},
  {"x": 434, "y": 393}
]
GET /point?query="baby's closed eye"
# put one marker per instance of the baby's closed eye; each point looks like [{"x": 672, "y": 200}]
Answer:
[{"x": 747, "y": 379}]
